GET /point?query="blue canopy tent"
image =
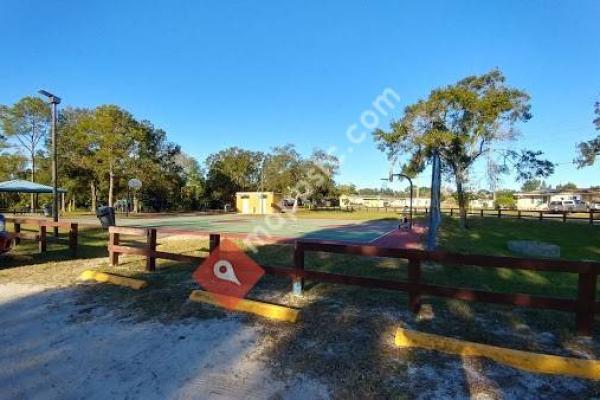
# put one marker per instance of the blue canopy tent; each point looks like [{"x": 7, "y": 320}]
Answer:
[{"x": 21, "y": 186}]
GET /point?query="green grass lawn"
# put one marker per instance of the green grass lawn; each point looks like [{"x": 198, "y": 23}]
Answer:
[{"x": 490, "y": 235}]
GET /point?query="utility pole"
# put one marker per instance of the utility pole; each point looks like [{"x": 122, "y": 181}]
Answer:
[
  {"x": 434, "y": 206},
  {"x": 54, "y": 100}
]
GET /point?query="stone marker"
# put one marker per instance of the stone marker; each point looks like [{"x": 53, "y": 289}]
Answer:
[{"x": 534, "y": 248}]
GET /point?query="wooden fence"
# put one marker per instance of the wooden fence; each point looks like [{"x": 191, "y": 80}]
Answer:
[
  {"x": 584, "y": 305},
  {"x": 41, "y": 235},
  {"x": 590, "y": 216}
]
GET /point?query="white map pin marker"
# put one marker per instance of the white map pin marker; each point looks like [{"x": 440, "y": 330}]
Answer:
[{"x": 224, "y": 270}]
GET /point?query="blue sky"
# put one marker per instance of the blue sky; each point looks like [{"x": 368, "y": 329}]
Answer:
[{"x": 259, "y": 74}]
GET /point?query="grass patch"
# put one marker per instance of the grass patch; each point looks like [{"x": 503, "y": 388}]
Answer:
[{"x": 490, "y": 236}]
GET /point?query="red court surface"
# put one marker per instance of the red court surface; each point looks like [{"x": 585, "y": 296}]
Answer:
[{"x": 403, "y": 239}]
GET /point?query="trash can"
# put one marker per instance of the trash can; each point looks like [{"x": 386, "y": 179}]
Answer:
[
  {"x": 6, "y": 239},
  {"x": 106, "y": 215},
  {"x": 47, "y": 209}
]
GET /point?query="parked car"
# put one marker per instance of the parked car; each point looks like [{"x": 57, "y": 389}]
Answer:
[
  {"x": 595, "y": 206},
  {"x": 570, "y": 206},
  {"x": 580, "y": 206}
]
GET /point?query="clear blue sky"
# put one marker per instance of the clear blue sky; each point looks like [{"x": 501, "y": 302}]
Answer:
[{"x": 259, "y": 74}]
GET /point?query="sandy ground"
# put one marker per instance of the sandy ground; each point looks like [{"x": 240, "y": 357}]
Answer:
[{"x": 54, "y": 348}]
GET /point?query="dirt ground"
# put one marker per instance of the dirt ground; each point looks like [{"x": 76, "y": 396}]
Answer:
[
  {"x": 55, "y": 347},
  {"x": 57, "y": 344}
]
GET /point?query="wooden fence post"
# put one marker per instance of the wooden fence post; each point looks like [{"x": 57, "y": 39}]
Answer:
[
  {"x": 586, "y": 297},
  {"x": 499, "y": 213},
  {"x": 151, "y": 246},
  {"x": 451, "y": 211},
  {"x": 17, "y": 226},
  {"x": 42, "y": 239},
  {"x": 113, "y": 240},
  {"x": 214, "y": 240},
  {"x": 73, "y": 238},
  {"x": 591, "y": 217},
  {"x": 541, "y": 215},
  {"x": 298, "y": 283},
  {"x": 414, "y": 277},
  {"x": 481, "y": 213},
  {"x": 519, "y": 214},
  {"x": 564, "y": 216}
]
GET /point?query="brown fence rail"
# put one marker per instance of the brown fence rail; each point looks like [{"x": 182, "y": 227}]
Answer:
[
  {"x": 590, "y": 216},
  {"x": 41, "y": 236},
  {"x": 584, "y": 305}
]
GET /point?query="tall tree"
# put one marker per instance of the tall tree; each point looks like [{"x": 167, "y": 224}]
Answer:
[
  {"x": 195, "y": 184},
  {"x": 319, "y": 172},
  {"x": 461, "y": 122},
  {"x": 569, "y": 186},
  {"x": 281, "y": 169},
  {"x": 27, "y": 121},
  {"x": 12, "y": 166},
  {"x": 77, "y": 167},
  {"x": 155, "y": 161},
  {"x": 588, "y": 151},
  {"x": 531, "y": 185},
  {"x": 232, "y": 170},
  {"x": 112, "y": 134},
  {"x": 347, "y": 189}
]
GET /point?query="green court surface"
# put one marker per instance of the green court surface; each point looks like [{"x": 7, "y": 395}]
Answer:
[{"x": 278, "y": 225}]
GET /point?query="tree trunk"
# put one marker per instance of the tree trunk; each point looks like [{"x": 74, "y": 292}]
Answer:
[
  {"x": 111, "y": 181},
  {"x": 93, "y": 195},
  {"x": 462, "y": 200},
  {"x": 295, "y": 207},
  {"x": 135, "y": 203},
  {"x": 32, "y": 204}
]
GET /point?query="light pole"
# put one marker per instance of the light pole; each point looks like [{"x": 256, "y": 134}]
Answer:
[
  {"x": 391, "y": 179},
  {"x": 54, "y": 100}
]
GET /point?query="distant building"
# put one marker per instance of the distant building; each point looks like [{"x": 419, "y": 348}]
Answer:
[
  {"x": 482, "y": 203},
  {"x": 539, "y": 200},
  {"x": 381, "y": 201},
  {"x": 258, "y": 202}
]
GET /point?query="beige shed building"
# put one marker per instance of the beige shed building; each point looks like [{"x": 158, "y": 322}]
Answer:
[{"x": 258, "y": 202}]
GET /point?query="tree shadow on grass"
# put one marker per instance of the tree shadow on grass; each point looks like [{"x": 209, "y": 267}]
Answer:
[{"x": 92, "y": 243}]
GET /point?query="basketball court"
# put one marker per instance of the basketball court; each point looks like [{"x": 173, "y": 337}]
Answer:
[{"x": 284, "y": 226}]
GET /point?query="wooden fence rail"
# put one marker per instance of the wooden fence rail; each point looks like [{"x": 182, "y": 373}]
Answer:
[
  {"x": 590, "y": 216},
  {"x": 584, "y": 305},
  {"x": 41, "y": 236}
]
